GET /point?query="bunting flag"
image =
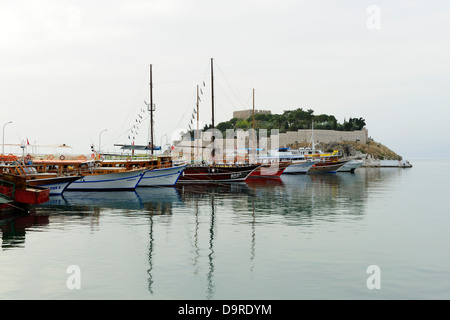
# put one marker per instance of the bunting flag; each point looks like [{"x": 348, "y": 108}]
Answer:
[
  {"x": 201, "y": 91},
  {"x": 203, "y": 83},
  {"x": 28, "y": 142}
]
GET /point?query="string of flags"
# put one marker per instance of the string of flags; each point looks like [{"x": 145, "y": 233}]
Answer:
[
  {"x": 133, "y": 132},
  {"x": 195, "y": 108}
]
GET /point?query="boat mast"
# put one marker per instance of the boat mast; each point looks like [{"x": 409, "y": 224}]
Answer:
[
  {"x": 151, "y": 109},
  {"x": 198, "y": 132},
  {"x": 213, "y": 152}
]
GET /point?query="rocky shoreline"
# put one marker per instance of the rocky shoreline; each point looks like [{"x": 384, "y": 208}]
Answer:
[{"x": 373, "y": 153}]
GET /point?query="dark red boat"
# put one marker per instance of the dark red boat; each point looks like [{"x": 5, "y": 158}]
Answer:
[{"x": 216, "y": 173}]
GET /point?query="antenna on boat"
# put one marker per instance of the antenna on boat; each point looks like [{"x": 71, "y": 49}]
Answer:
[
  {"x": 198, "y": 132},
  {"x": 151, "y": 110},
  {"x": 254, "y": 132}
]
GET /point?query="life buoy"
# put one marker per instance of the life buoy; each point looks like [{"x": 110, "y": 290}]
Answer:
[
  {"x": 62, "y": 157},
  {"x": 51, "y": 157},
  {"x": 82, "y": 157},
  {"x": 128, "y": 159}
]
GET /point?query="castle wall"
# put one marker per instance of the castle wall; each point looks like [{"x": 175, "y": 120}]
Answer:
[{"x": 325, "y": 136}]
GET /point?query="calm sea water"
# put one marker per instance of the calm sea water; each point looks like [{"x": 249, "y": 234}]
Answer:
[{"x": 305, "y": 237}]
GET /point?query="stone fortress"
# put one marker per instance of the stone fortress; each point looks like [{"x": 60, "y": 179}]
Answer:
[{"x": 303, "y": 136}]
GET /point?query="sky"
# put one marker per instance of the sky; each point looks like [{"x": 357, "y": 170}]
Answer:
[{"x": 77, "y": 72}]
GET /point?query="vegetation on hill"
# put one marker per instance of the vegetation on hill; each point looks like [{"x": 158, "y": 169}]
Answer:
[{"x": 292, "y": 120}]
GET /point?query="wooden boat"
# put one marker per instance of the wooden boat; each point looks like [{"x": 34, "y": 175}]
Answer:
[
  {"x": 159, "y": 170},
  {"x": 327, "y": 162},
  {"x": 326, "y": 167},
  {"x": 57, "y": 184},
  {"x": 216, "y": 173},
  {"x": 93, "y": 176},
  {"x": 16, "y": 192}
]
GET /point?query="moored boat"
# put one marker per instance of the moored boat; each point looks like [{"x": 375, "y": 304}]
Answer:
[
  {"x": 216, "y": 173},
  {"x": 326, "y": 162},
  {"x": 159, "y": 170},
  {"x": 299, "y": 166},
  {"x": 16, "y": 192},
  {"x": 93, "y": 176},
  {"x": 326, "y": 167},
  {"x": 57, "y": 184},
  {"x": 351, "y": 165}
]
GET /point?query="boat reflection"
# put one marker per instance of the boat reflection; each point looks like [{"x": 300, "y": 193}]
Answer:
[
  {"x": 152, "y": 199},
  {"x": 14, "y": 226}
]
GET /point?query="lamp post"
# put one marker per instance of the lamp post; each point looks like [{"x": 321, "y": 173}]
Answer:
[
  {"x": 100, "y": 139},
  {"x": 3, "y": 144}
]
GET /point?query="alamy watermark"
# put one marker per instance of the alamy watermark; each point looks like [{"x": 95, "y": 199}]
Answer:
[
  {"x": 74, "y": 280},
  {"x": 373, "y": 21},
  {"x": 374, "y": 280},
  {"x": 238, "y": 146}
]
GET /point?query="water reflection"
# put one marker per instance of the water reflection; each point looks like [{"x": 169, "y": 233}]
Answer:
[
  {"x": 212, "y": 214},
  {"x": 14, "y": 226}
]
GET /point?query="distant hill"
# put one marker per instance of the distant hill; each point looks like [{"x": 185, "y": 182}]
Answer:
[{"x": 293, "y": 120}]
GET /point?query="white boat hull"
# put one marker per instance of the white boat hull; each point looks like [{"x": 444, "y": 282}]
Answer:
[
  {"x": 297, "y": 167},
  {"x": 57, "y": 188},
  {"x": 351, "y": 166},
  {"x": 124, "y": 180},
  {"x": 161, "y": 177}
]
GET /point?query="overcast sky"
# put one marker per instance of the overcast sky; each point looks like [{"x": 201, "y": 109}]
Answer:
[{"x": 71, "y": 69}]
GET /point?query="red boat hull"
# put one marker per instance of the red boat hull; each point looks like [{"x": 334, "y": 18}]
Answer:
[
  {"x": 269, "y": 171},
  {"x": 30, "y": 195}
]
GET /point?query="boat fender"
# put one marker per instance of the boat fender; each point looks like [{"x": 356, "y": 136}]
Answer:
[{"x": 93, "y": 156}]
